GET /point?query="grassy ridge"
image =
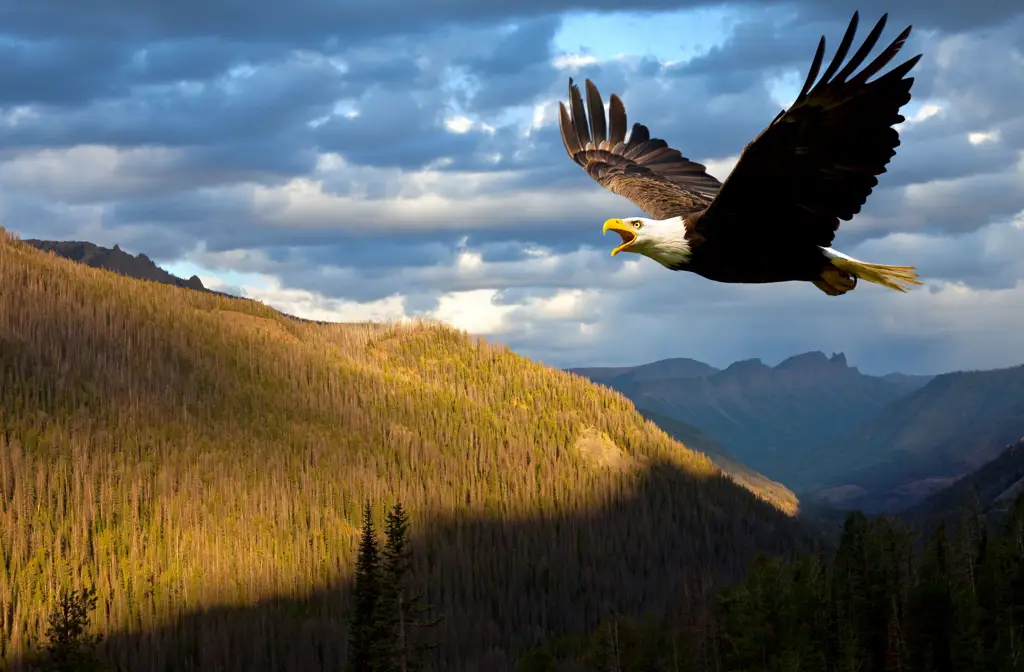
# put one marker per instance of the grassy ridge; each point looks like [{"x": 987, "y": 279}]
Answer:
[{"x": 187, "y": 452}]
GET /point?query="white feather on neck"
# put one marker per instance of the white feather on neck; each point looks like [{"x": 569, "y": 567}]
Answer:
[{"x": 663, "y": 240}]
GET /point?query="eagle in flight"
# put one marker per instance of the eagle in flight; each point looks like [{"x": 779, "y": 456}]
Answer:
[{"x": 774, "y": 218}]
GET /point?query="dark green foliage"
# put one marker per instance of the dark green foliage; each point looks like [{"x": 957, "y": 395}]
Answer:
[
  {"x": 385, "y": 632},
  {"x": 70, "y": 647},
  {"x": 877, "y": 609},
  {"x": 363, "y": 631},
  {"x": 538, "y": 660},
  {"x": 956, "y": 605},
  {"x": 775, "y": 616},
  {"x": 401, "y": 617}
]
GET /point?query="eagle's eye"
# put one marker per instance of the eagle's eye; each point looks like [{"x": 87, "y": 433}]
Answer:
[{"x": 637, "y": 224}]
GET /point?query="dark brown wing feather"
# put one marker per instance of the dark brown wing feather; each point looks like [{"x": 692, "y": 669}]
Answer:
[
  {"x": 818, "y": 161},
  {"x": 657, "y": 178}
]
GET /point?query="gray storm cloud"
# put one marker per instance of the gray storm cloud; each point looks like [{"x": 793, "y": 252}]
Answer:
[{"x": 356, "y": 159}]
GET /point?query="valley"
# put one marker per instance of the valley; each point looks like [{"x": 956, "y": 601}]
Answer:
[
  {"x": 773, "y": 419},
  {"x": 511, "y": 337},
  {"x": 831, "y": 434},
  {"x": 203, "y": 460}
]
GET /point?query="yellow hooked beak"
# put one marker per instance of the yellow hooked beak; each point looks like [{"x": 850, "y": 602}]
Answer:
[{"x": 624, "y": 230}]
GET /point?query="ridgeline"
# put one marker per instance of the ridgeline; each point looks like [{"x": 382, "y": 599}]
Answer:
[{"x": 203, "y": 462}]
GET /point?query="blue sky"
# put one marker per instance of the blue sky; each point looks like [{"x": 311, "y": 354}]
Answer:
[
  {"x": 668, "y": 35},
  {"x": 340, "y": 164}
]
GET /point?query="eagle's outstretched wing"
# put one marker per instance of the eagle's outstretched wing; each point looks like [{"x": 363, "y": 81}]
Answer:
[
  {"x": 817, "y": 162},
  {"x": 657, "y": 178}
]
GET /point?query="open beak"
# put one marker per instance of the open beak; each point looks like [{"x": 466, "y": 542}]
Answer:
[{"x": 620, "y": 227}]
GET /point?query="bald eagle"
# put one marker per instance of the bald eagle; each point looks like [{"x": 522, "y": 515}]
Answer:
[{"x": 774, "y": 218}]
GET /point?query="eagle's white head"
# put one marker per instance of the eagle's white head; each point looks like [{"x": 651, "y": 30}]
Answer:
[{"x": 663, "y": 240}]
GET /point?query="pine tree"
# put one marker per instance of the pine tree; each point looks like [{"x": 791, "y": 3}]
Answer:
[
  {"x": 932, "y": 608},
  {"x": 364, "y": 631},
  {"x": 882, "y": 628},
  {"x": 809, "y": 613},
  {"x": 400, "y": 614},
  {"x": 1013, "y": 537},
  {"x": 611, "y": 650},
  {"x": 849, "y": 593},
  {"x": 966, "y": 645},
  {"x": 70, "y": 647},
  {"x": 539, "y": 659}
]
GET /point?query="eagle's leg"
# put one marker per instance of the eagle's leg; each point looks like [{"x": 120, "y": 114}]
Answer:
[{"x": 835, "y": 282}]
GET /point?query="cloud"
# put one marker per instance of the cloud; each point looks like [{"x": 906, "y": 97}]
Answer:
[
  {"x": 399, "y": 159},
  {"x": 312, "y": 21}
]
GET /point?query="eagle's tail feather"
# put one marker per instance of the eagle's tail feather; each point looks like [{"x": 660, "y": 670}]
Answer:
[{"x": 899, "y": 278}]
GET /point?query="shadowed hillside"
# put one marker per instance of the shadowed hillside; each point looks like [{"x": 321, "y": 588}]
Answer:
[
  {"x": 560, "y": 572},
  {"x": 202, "y": 461},
  {"x": 988, "y": 490}
]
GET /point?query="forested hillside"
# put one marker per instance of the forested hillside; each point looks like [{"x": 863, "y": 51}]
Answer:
[
  {"x": 203, "y": 462},
  {"x": 990, "y": 490}
]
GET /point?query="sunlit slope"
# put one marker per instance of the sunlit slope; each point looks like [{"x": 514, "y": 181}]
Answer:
[{"x": 183, "y": 450}]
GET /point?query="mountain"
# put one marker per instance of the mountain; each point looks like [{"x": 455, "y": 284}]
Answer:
[
  {"x": 665, "y": 369},
  {"x": 925, "y": 441},
  {"x": 773, "y": 419},
  {"x": 992, "y": 489},
  {"x": 134, "y": 266},
  {"x": 203, "y": 460},
  {"x": 911, "y": 382}
]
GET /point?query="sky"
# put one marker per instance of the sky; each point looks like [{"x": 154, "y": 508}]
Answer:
[{"x": 401, "y": 158}]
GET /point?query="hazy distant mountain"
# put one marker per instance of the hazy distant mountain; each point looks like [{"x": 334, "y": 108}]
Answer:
[
  {"x": 772, "y": 419},
  {"x": 117, "y": 260},
  {"x": 925, "y": 441},
  {"x": 677, "y": 368},
  {"x": 911, "y": 381},
  {"x": 822, "y": 428}
]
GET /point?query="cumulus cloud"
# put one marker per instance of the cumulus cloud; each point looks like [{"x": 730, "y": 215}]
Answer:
[{"x": 399, "y": 159}]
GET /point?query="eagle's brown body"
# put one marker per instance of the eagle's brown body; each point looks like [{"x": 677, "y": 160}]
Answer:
[
  {"x": 776, "y": 215},
  {"x": 761, "y": 259}
]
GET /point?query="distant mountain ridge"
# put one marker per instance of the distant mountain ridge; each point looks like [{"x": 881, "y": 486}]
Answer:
[
  {"x": 773, "y": 419},
  {"x": 675, "y": 368},
  {"x": 114, "y": 259},
  {"x": 921, "y": 443},
  {"x": 837, "y": 437}
]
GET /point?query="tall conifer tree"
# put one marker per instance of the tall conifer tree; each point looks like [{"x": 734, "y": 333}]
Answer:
[
  {"x": 364, "y": 630},
  {"x": 400, "y": 613}
]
